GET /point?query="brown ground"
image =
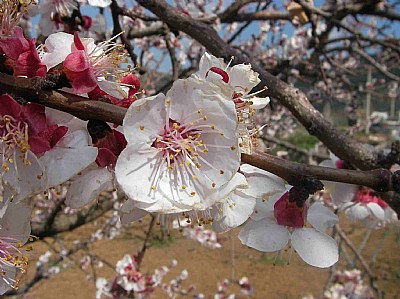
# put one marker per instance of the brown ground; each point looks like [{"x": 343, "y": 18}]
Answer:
[{"x": 206, "y": 267}]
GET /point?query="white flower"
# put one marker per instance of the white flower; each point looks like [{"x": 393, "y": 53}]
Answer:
[
  {"x": 99, "y": 3},
  {"x": 359, "y": 203},
  {"x": 264, "y": 232},
  {"x": 181, "y": 148},
  {"x": 234, "y": 84}
]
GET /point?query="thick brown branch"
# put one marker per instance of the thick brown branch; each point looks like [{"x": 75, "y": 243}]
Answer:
[
  {"x": 378, "y": 179},
  {"x": 80, "y": 107}
]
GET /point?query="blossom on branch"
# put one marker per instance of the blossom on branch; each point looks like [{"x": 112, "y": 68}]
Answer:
[
  {"x": 280, "y": 220},
  {"x": 173, "y": 160}
]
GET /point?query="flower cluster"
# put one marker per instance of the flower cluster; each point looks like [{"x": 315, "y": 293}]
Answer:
[{"x": 359, "y": 203}]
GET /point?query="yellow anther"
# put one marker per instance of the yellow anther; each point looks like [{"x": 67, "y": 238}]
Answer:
[
  {"x": 193, "y": 193},
  {"x": 184, "y": 187},
  {"x": 168, "y": 101},
  {"x": 153, "y": 187},
  {"x": 233, "y": 147},
  {"x": 212, "y": 127},
  {"x": 199, "y": 111},
  {"x": 221, "y": 171},
  {"x": 175, "y": 126},
  {"x": 205, "y": 150},
  {"x": 204, "y": 117},
  {"x": 213, "y": 185},
  {"x": 198, "y": 165},
  {"x": 141, "y": 128}
]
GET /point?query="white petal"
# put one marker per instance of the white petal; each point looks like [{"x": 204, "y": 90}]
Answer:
[
  {"x": 208, "y": 61},
  {"x": 112, "y": 88},
  {"x": 205, "y": 96},
  {"x": 241, "y": 75},
  {"x": 57, "y": 117},
  {"x": 342, "y": 192},
  {"x": 315, "y": 248},
  {"x": 132, "y": 215},
  {"x": 70, "y": 156},
  {"x": 25, "y": 180},
  {"x": 390, "y": 215},
  {"x": 58, "y": 48},
  {"x": 356, "y": 211},
  {"x": 88, "y": 186},
  {"x": 234, "y": 212},
  {"x": 264, "y": 236},
  {"x": 321, "y": 217},
  {"x": 259, "y": 103},
  {"x": 261, "y": 183},
  {"x": 376, "y": 210},
  {"x": 99, "y": 3},
  {"x": 9, "y": 274},
  {"x": 219, "y": 195},
  {"x": 145, "y": 119},
  {"x": 265, "y": 208},
  {"x": 16, "y": 222}
]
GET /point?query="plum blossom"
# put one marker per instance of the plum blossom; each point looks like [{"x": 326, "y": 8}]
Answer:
[
  {"x": 369, "y": 208},
  {"x": 86, "y": 64},
  {"x": 235, "y": 84},
  {"x": 359, "y": 203},
  {"x": 21, "y": 171},
  {"x": 38, "y": 150},
  {"x": 21, "y": 54},
  {"x": 14, "y": 232},
  {"x": 130, "y": 282},
  {"x": 205, "y": 237},
  {"x": 172, "y": 162},
  {"x": 280, "y": 220}
]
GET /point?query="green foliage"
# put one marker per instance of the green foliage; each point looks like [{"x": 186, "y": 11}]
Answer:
[{"x": 302, "y": 139}]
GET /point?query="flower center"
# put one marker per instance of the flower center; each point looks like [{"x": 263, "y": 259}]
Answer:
[
  {"x": 180, "y": 143},
  {"x": 12, "y": 255},
  {"x": 10, "y": 15},
  {"x": 14, "y": 135},
  {"x": 288, "y": 213}
]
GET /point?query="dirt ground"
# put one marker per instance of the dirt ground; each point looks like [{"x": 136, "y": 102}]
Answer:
[{"x": 207, "y": 266}]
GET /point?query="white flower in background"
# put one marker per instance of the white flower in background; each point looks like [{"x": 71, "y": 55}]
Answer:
[
  {"x": 14, "y": 232},
  {"x": 181, "y": 149},
  {"x": 279, "y": 221},
  {"x": 51, "y": 13},
  {"x": 99, "y": 3},
  {"x": 359, "y": 203},
  {"x": 235, "y": 84}
]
